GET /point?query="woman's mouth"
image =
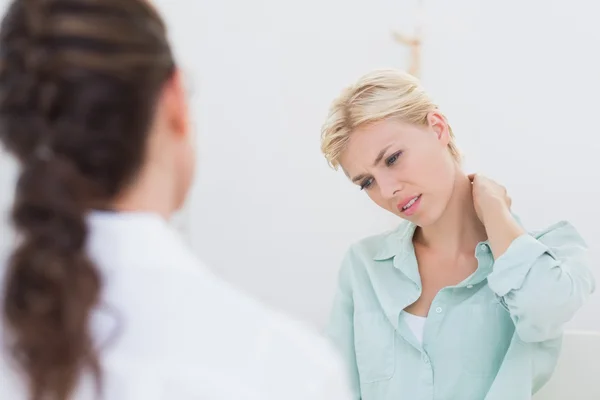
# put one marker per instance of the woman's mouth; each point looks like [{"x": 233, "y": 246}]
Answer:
[{"x": 410, "y": 205}]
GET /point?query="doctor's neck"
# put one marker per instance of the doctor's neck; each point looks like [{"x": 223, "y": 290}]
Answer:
[{"x": 153, "y": 191}]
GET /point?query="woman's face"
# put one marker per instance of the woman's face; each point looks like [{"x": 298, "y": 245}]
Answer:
[{"x": 404, "y": 168}]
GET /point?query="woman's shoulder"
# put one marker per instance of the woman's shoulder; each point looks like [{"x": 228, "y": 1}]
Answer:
[
  {"x": 563, "y": 227},
  {"x": 364, "y": 257},
  {"x": 384, "y": 245},
  {"x": 561, "y": 232}
]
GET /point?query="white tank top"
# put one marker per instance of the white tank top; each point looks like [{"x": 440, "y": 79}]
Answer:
[{"x": 416, "y": 325}]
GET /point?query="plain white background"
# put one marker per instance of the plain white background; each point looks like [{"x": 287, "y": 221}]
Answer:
[{"x": 517, "y": 80}]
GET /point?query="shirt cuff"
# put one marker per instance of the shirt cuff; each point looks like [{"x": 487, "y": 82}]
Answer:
[{"x": 512, "y": 267}]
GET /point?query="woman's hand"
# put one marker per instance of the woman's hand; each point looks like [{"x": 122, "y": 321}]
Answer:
[
  {"x": 492, "y": 205},
  {"x": 490, "y": 197}
]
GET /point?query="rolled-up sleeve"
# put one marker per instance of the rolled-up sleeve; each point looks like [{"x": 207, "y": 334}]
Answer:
[{"x": 543, "y": 279}]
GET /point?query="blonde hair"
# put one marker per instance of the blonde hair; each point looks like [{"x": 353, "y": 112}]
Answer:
[{"x": 378, "y": 95}]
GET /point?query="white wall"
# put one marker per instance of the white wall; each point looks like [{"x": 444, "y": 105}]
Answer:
[{"x": 518, "y": 81}]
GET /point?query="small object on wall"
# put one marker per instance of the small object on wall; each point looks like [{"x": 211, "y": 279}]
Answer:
[{"x": 414, "y": 42}]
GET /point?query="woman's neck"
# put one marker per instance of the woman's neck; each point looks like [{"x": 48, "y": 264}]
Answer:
[{"x": 459, "y": 229}]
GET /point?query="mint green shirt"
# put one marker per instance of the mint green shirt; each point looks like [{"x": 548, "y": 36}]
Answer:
[{"x": 494, "y": 336}]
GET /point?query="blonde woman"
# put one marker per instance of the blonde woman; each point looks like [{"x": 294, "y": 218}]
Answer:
[{"x": 460, "y": 301}]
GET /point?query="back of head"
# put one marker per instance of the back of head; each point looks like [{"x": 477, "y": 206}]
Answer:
[
  {"x": 79, "y": 81},
  {"x": 378, "y": 95}
]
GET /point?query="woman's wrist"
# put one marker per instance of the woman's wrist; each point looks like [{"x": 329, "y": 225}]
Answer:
[{"x": 502, "y": 229}]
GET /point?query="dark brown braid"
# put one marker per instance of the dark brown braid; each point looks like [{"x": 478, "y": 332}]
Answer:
[{"x": 79, "y": 81}]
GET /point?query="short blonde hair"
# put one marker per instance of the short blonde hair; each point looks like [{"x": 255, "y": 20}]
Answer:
[{"x": 378, "y": 95}]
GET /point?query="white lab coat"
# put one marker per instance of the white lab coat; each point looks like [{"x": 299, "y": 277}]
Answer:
[{"x": 168, "y": 329}]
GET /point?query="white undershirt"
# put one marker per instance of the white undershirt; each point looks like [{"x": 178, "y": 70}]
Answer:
[{"x": 416, "y": 325}]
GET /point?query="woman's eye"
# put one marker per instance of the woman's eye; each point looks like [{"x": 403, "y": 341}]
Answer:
[
  {"x": 366, "y": 183},
  {"x": 392, "y": 159}
]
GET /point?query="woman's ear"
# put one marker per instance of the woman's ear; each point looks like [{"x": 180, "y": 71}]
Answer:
[{"x": 438, "y": 124}]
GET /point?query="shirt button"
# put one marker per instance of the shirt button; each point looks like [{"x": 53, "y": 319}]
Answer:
[
  {"x": 469, "y": 286},
  {"x": 425, "y": 359},
  {"x": 438, "y": 310}
]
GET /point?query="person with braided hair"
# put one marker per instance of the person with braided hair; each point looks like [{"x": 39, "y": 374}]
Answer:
[{"x": 100, "y": 298}]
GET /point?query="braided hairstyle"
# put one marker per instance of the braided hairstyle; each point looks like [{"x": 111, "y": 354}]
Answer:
[{"x": 79, "y": 81}]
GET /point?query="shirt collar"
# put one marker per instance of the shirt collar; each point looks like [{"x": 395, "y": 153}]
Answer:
[
  {"x": 399, "y": 241},
  {"x": 398, "y": 247},
  {"x": 396, "y": 242}
]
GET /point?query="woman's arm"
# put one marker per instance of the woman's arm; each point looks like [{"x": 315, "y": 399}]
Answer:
[
  {"x": 543, "y": 279},
  {"x": 340, "y": 329}
]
